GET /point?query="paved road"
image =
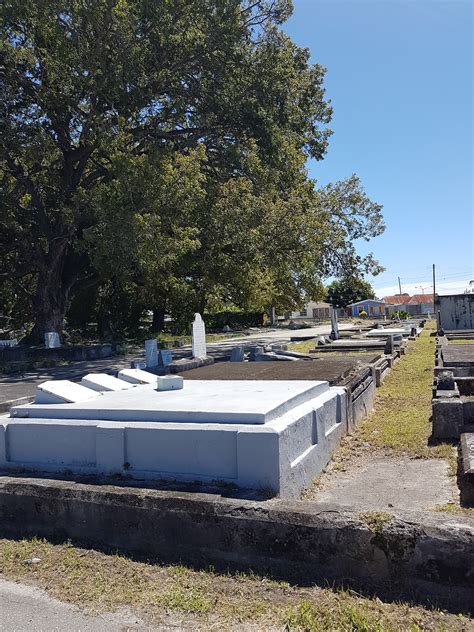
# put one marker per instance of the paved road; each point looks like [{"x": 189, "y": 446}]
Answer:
[
  {"x": 24, "y": 385},
  {"x": 27, "y": 609}
]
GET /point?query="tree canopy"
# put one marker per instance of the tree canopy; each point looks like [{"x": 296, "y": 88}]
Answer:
[
  {"x": 349, "y": 290},
  {"x": 157, "y": 150}
]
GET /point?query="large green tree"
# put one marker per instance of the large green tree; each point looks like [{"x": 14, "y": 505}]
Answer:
[{"x": 161, "y": 146}]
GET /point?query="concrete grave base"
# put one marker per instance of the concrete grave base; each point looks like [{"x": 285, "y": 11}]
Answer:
[
  {"x": 425, "y": 557},
  {"x": 260, "y": 434}
]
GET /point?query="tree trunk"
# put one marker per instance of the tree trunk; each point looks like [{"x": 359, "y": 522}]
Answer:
[
  {"x": 158, "y": 322},
  {"x": 49, "y": 307},
  {"x": 50, "y": 302}
]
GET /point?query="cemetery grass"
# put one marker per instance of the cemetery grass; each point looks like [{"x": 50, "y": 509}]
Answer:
[
  {"x": 401, "y": 419},
  {"x": 400, "y": 423},
  {"x": 178, "y": 596}
]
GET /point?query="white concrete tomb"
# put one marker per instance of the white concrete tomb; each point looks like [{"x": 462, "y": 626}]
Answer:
[{"x": 276, "y": 435}]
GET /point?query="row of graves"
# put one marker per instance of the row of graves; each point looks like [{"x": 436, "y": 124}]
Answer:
[
  {"x": 453, "y": 402},
  {"x": 265, "y": 419}
]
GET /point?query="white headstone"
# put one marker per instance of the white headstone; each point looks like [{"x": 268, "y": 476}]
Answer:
[
  {"x": 51, "y": 340},
  {"x": 199, "y": 337},
  {"x": 151, "y": 353}
]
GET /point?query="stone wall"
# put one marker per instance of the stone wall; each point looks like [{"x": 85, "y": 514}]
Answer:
[
  {"x": 421, "y": 557},
  {"x": 456, "y": 311}
]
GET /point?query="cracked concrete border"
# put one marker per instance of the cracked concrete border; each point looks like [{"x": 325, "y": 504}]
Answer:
[{"x": 413, "y": 556}]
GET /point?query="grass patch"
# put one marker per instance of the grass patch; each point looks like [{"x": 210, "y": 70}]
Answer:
[
  {"x": 191, "y": 599},
  {"x": 401, "y": 416},
  {"x": 306, "y": 346},
  {"x": 455, "y": 509},
  {"x": 303, "y": 347},
  {"x": 376, "y": 520}
]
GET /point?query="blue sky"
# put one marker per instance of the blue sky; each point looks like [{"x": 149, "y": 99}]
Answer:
[{"x": 399, "y": 75}]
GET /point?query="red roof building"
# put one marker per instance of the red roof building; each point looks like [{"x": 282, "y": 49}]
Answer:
[
  {"x": 397, "y": 299},
  {"x": 420, "y": 299}
]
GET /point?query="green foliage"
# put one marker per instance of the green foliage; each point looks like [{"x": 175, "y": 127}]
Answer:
[
  {"x": 376, "y": 520},
  {"x": 349, "y": 290},
  {"x": 236, "y": 320},
  {"x": 401, "y": 314},
  {"x": 155, "y": 152}
]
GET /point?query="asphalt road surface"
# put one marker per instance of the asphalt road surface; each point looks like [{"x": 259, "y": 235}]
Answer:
[{"x": 27, "y": 609}]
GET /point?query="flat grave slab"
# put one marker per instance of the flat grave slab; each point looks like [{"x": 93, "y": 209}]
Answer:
[
  {"x": 331, "y": 369},
  {"x": 378, "y": 333},
  {"x": 137, "y": 376},
  {"x": 200, "y": 401},
  {"x": 62, "y": 392},
  {"x": 103, "y": 382},
  {"x": 364, "y": 345},
  {"x": 458, "y": 355}
]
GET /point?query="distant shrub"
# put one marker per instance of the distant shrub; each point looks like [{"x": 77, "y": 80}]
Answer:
[{"x": 362, "y": 313}]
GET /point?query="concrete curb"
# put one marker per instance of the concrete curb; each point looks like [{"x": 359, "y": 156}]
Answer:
[
  {"x": 416, "y": 557},
  {"x": 20, "y": 401}
]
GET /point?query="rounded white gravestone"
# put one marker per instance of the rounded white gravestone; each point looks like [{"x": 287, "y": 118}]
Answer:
[{"x": 199, "y": 337}]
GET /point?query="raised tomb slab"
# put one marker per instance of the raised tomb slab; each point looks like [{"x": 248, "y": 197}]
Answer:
[
  {"x": 262, "y": 434},
  {"x": 358, "y": 375}
]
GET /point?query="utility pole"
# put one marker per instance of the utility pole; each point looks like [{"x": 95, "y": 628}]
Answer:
[
  {"x": 434, "y": 290},
  {"x": 399, "y": 286}
]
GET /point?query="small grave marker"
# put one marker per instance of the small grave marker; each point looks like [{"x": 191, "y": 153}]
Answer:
[
  {"x": 51, "y": 340},
  {"x": 165, "y": 357},
  {"x": 170, "y": 383},
  {"x": 151, "y": 353},
  {"x": 199, "y": 337},
  {"x": 389, "y": 345},
  {"x": 237, "y": 354}
]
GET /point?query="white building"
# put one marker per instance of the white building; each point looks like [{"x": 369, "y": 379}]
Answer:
[{"x": 311, "y": 311}]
